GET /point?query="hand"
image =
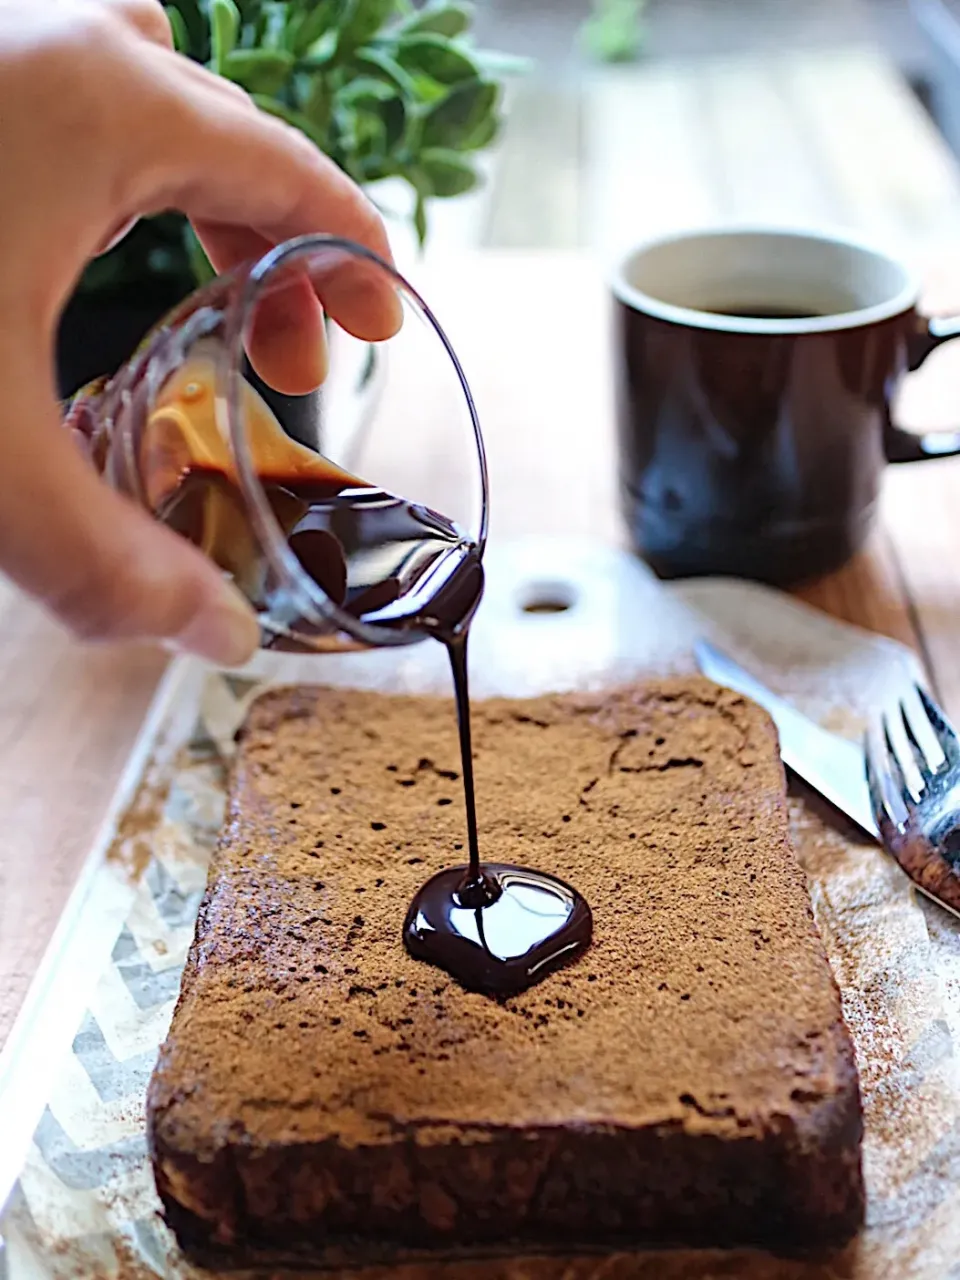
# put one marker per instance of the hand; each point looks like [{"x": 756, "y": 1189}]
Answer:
[{"x": 101, "y": 122}]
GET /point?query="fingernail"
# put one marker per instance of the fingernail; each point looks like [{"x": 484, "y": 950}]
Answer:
[
  {"x": 225, "y": 632},
  {"x": 396, "y": 309}
]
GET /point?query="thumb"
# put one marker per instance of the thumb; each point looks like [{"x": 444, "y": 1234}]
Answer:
[{"x": 99, "y": 563}]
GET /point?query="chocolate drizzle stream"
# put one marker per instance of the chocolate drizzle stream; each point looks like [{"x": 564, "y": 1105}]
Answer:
[
  {"x": 398, "y": 565},
  {"x": 494, "y": 927}
]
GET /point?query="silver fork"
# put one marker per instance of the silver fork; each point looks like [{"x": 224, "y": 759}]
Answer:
[{"x": 919, "y": 825}]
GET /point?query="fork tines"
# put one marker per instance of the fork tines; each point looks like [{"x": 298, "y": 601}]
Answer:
[{"x": 891, "y": 796}]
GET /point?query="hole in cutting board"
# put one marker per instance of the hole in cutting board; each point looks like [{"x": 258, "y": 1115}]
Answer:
[{"x": 548, "y": 597}]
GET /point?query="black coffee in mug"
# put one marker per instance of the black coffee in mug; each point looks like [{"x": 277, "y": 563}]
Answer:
[
  {"x": 760, "y": 311},
  {"x": 755, "y": 372}
]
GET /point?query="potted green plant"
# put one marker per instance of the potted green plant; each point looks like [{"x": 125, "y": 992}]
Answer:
[{"x": 387, "y": 90}]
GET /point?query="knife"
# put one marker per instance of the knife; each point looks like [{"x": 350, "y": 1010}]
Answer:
[{"x": 832, "y": 765}]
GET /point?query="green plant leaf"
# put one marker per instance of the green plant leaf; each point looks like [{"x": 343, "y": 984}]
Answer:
[
  {"x": 485, "y": 133},
  {"x": 443, "y": 19},
  {"x": 196, "y": 24},
  {"x": 376, "y": 168},
  {"x": 199, "y": 262},
  {"x": 434, "y": 56},
  {"x": 445, "y": 173},
  {"x": 373, "y": 62},
  {"x": 258, "y": 31},
  {"x": 250, "y": 10},
  {"x": 368, "y": 137},
  {"x": 366, "y": 89},
  {"x": 259, "y": 70},
  {"x": 346, "y": 143},
  {"x": 224, "y": 29},
  {"x": 178, "y": 28},
  {"x": 361, "y": 21},
  {"x": 495, "y": 66},
  {"x": 461, "y": 116},
  {"x": 292, "y": 117},
  {"x": 386, "y": 88},
  {"x": 319, "y": 104},
  {"x": 393, "y": 113},
  {"x": 420, "y": 219},
  {"x": 321, "y": 53},
  {"x": 362, "y": 131},
  {"x": 272, "y": 25},
  {"x": 427, "y": 91},
  {"x": 306, "y": 28}
]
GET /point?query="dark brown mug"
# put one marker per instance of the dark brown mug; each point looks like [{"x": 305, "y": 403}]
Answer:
[{"x": 755, "y": 372}]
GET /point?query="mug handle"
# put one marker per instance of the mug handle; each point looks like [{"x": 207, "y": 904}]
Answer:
[{"x": 907, "y": 446}]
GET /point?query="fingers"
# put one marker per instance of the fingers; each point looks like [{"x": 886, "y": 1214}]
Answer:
[
  {"x": 246, "y": 178},
  {"x": 287, "y": 344},
  {"x": 103, "y": 567},
  {"x": 356, "y": 292},
  {"x": 143, "y": 15},
  {"x": 226, "y": 162},
  {"x": 146, "y": 16}
]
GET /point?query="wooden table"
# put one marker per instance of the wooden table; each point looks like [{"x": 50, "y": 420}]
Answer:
[
  {"x": 531, "y": 328},
  {"x": 604, "y": 160}
]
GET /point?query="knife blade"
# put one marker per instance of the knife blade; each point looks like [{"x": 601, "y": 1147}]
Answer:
[{"x": 830, "y": 764}]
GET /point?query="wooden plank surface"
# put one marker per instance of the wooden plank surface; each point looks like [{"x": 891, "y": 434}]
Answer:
[
  {"x": 766, "y": 166},
  {"x": 894, "y": 176},
  {"x": 536, "y": 190},
  {"x": 869, "y": 592},
  {"x": 647, "y": 161},
  {"x": 818, "y": 137},
  {"x": 829, "y": 137}
]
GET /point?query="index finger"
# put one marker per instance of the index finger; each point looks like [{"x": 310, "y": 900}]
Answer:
[
  {"x": 248, "y": 180},
  {"x": 287, "y": 343}
]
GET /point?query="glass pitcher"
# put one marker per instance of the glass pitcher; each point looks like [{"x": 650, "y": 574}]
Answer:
[{"x": 341, "y": 514}]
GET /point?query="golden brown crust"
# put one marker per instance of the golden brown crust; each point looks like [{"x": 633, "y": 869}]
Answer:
[{"x": 690, "y": 1078}]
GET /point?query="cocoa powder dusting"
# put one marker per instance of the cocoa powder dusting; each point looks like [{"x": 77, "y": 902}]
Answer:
[{"x": 704, "y": 1006}]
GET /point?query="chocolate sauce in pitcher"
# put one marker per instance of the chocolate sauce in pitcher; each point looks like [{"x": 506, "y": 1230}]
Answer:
[{"x": 393, "y": 564}]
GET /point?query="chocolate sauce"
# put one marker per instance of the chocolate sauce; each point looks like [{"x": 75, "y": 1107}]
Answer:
[
  {"x": 495, "y": 928},
  {"x": 525, "y": 925},
  {"x": 398, "y": 565},
  {"x": 383, "y": 560}
]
